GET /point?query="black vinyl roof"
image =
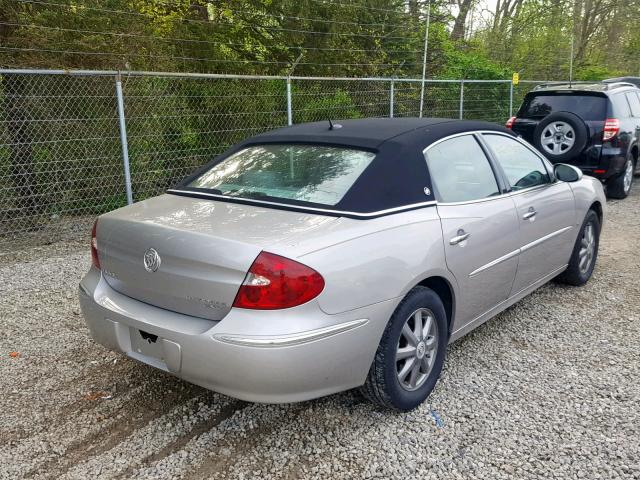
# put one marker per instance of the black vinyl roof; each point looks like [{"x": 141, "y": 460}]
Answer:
[
  {"x": 371, "y": 133},
  {"x": 394, "y": 180}
]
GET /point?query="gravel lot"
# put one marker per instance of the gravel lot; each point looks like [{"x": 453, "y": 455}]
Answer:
[{"x": 548, "y": 389}]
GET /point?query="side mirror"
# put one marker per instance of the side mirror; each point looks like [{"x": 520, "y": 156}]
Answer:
[{"x": 567, "y": 173}]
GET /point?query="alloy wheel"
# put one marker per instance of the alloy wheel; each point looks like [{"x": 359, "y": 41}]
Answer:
[
  {"x": 587, "y": 248},
  {"x": 557, "y": 138},
  {"x": 417, "y": 349},
  {"x": 628, "y": 176}
]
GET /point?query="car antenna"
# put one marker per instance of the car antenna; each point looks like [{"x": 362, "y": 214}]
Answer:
[{"x": 334, "y": 126}]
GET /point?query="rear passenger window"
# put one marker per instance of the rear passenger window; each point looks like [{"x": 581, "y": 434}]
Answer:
[
  {"x": 524, "y": 169},
  {"x": 621, "y": 106},
  {"x": 460, "y": 171},
  {"x": 634, "y": 103}
]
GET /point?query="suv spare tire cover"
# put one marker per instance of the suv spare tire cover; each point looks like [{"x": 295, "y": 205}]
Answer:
[{"x": 580, "y": 130}]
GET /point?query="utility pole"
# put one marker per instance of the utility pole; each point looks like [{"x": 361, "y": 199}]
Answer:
[
  {"x": 424, "y": 58},
  {"x": 571, "y": 62}
]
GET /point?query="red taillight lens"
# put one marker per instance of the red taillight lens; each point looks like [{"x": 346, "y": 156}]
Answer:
[
  {"x": 94, "y": 246},
  {"x": 510, "y": 122},
  {"x": 275, "y": 282},
  {"x": 611, "y": 129}
]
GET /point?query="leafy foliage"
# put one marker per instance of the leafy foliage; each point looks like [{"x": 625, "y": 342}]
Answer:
[{"x": 337, "y": 37}]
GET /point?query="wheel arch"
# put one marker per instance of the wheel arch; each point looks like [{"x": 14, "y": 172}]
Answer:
[
  {"x": 597, "y": 207},
  {"x": 634, "y": 153},
  {"x": 443, "y": 288}
]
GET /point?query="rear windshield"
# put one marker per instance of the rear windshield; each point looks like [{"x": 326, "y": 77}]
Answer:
[
  {"x": 587, "y": 107},
  {"x": 307, "y": 173}
]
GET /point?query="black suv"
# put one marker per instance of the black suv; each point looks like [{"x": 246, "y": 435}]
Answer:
[{"x": 594, "y": 126}]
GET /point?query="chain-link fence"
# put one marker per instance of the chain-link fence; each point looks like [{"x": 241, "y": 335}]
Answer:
[{"x": 76, "y": 144}]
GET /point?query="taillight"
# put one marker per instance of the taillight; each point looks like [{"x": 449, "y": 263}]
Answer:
[
  {"x": 510, "y": 122},
  {"x": 611, "y": 129},
  {"x": 95, "y": 261},
  {"x": 275, "y": 282}
]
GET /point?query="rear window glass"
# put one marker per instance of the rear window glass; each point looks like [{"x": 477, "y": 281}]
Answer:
[
  {"x": 307, "y": 173},
  {"x": 587, "y": 107}
]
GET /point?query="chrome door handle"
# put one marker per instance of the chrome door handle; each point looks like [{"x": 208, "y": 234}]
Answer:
[
  {"x": 530, "y": 214},
  {"x": 461, "y": 237}
]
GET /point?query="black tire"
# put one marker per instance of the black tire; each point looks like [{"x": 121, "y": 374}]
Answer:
[
  {"x": 616, "y": 186},
  {"x": 574, "y": 275},
  {"x": 580, "y": 141},
  {"x": 382, "y": 385}
]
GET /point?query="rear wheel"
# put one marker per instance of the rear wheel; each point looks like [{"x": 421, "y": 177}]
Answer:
[
  {"x": 561, "y": 136},
  {"x": 585, "y": 252},
  {"x": 620, "y": 186},
  {"x": 411, "y": 353}
]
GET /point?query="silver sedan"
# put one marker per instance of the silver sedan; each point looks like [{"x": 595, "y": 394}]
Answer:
[{"x": 324, "y": 257}]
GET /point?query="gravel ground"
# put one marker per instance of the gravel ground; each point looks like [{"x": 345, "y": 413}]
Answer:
[{"x": 548, "y": 389}]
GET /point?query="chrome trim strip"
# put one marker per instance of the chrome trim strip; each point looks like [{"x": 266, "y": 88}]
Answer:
[
  {"x": 526, "y": 247},
  {"x": 300, "y": 207},
  {"x": 444, "y": 139},
  {"x": 496, "y": 197},
  {"x": 497, "y": 261},
  {"x": 503, "y": 305},
  {"x": 491, "y": 132},
  {"x": 541, "y": 240},
  {"x": 289, "y": 340}
]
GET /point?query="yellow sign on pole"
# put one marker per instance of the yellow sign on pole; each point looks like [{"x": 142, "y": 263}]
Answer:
[{"x": 516, "y": 78}]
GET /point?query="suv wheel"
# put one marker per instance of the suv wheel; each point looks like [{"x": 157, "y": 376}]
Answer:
[
  {"x": 620, "y": 186},
  {"x": 411, "y": 353},
  {"x": 561, "y": 136}
]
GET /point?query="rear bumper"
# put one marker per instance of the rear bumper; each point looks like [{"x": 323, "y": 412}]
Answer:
[
  {"x": 271, "y": 357},
  {"x": 601, "y": 162}
]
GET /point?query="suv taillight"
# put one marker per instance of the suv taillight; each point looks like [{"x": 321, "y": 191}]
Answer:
[
  {"x": 275, "y": 282},
  {"x": 611, "y": 129},
  {"x": 95, "y": 261},
  {"x": 510, "y": 122}
]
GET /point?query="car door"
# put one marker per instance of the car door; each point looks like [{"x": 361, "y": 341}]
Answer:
[
  {"x": 545, "y": 209},
  {"x": 479, "y": 225}
]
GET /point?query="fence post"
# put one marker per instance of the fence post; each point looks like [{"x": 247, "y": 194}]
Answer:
[
  {"x": 392, "y": 93},
  {"x": 289, "y": 106},
  {"x": 424, "y": 58},
  {"x": 511, "y": 98},
  {"x": 461, "y": 99},
  {"x": 123, "y": 138}
]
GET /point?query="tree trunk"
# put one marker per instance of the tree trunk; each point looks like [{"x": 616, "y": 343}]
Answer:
[
  {"x": 414, "y": 10},
  {"x": 460, "y": 23}
]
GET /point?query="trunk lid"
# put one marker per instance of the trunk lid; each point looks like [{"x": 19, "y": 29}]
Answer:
[{"x": 204, "y": 249}]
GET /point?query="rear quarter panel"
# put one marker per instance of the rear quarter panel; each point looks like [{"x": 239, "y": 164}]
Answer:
[
  {"x": 586, "y": 192},
  {"x": 379, "y": 259}
]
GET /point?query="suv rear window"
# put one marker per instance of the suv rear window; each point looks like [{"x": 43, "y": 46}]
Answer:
[
  {"x": 306, "y": 173},
  {"x": 587, "y": 107}
]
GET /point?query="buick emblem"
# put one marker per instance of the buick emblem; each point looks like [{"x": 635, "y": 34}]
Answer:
[{"x": 151, "y": 260}]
